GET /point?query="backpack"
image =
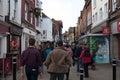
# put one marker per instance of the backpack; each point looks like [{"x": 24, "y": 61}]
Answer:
[{"x": 87, "y": 53}]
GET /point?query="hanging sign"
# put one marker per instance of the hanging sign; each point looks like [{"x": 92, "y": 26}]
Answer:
[{"x": 106, "y": 30}]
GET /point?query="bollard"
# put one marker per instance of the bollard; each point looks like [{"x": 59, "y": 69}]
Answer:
[
  {"x": 81, "y": 73},
  {"x": 114, "y": 62},
  {"x": 14, "y": 66}
]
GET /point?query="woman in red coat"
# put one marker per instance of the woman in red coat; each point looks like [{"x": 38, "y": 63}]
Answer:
[{"x": 86, "y": 59}]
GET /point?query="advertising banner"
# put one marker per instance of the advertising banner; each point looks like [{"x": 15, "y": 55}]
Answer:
[{"x": 99, "y": 46}]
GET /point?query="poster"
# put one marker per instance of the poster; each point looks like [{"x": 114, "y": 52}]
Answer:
[{"x": 99, "y": 46}]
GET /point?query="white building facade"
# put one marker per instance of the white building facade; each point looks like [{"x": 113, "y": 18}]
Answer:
[
  {"x": 10, "y": 22},
  {"x": 46, "y": 30},
  {"x": 99, "y": 14}
]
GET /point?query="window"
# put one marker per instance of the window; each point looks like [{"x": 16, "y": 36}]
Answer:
[
  {"x": 31, "y": 18},
  {"x": 94, "y": 3},
  {"x": 26, "y": 11},
  {"x": 38, "y": 2},
  {"x": 14, "y": 10},
  {"x": 89, "y": 18},
  {"x": 96, "y": 17},
  {"x": 37, "y": 21},
  {"x": 101, "y": 13},
  {"x": 106, "y": 9},
  {"x": 44, "y": 34},
  {"x": 93, "y": 18},
  {"x": 113, "y": 5}
]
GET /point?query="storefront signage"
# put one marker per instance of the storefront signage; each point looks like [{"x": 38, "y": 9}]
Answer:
[
  {"x": 106, "y": 30},
  {"x": 16, "y": 30},
  {"x": 118, "y": 25}
]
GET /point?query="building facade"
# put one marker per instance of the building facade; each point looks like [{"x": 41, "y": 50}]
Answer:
[
  {"x": 114, "y": 22},
  {"x": 11, "y": 26}
]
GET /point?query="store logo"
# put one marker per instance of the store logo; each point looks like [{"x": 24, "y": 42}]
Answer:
[{"x": 106, "y": 30}]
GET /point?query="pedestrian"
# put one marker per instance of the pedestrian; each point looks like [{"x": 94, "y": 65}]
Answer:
[
  {"x": 47, "y": 50},
  {"x": 69, "y": 51},
  {"x": 78, "y": 51},
  {"x": 73, "y": 47},
  {"x": 86, "y": 59},
  {"x": 43, "y": 59},
  {"x": 57, "y": 62},
  {"x": 30, "y": 61}
]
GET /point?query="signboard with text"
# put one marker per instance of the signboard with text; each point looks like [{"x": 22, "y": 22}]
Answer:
[{"x": 106, "y": 30}]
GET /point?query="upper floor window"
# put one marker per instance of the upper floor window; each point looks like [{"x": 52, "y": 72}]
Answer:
[
  {"x": 38, "y": 2},
  {"x": 89, "y": 18},
  {"x": 101, "y": 13},
  {"x": 31, "y": 18},
  {"x": 96, "y": 17},
  {"x": 44, "y": 34},
  {"x": 113, "y": 5},
  {"x": 93, "y": 19},
  {"x": 37, "y": 21},
  {"x": 26, "y": 11},
  {"x": 106, "y": 9},
  {"x": 14, "y": 9},
  {"x": 94, "y": 3}
]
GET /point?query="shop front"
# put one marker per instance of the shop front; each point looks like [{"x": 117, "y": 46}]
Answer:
[
  {"x": 99, "y": 46},
  {"x": 115, "y": 39}
]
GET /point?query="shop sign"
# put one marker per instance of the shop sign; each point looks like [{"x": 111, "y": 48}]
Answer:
[
  {"x": 106, "y": 30},
  {"x": 118, "y": 25}
]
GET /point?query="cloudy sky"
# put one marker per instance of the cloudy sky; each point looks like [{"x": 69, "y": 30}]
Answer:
[{"x": 66, "y": 10}]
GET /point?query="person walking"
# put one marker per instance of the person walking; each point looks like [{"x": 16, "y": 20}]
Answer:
[
  {"x": 30, "y": 61},
  {"x": 69, "y": 51},
  {"x": 47, "y": 50},
  {"x": 57, "y": 62},
  {"x": 86, "y": 59},
  {"x": 77, "y": 54}
]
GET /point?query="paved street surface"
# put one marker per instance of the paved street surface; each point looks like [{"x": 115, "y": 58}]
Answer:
[{"x": 102, "y": 72}]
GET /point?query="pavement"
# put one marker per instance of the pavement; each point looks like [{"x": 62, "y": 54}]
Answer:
[{"x": 102, "y": 72}]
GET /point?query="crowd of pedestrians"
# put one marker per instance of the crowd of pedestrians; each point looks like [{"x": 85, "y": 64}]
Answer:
[{"x": 58, "y": 60}]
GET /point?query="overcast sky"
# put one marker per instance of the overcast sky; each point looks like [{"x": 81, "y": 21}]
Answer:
[{"x": 66, "y": 10}]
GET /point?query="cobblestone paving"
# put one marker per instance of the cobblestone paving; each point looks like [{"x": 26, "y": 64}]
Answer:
[{"x": 102, "y": 72}]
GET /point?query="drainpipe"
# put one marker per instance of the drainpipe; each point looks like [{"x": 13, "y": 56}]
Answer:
[{"x": 9, "y": 9}]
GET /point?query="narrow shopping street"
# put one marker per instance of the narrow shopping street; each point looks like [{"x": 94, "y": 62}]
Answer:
[{"x": 102, "y": 72}]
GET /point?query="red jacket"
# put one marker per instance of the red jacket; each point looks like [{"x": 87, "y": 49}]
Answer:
[{"x": 84, "y": 58}]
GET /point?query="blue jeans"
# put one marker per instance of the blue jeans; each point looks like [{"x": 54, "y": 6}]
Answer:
[
  {"x": 32, "y": 74},
  {"x": 79, "y": 64}
]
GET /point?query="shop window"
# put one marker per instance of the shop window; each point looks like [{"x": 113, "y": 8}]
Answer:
[{"x": 14, "y": 44}]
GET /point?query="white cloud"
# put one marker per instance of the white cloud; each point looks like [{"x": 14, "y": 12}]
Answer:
[{"x": 66, "y": 10}]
